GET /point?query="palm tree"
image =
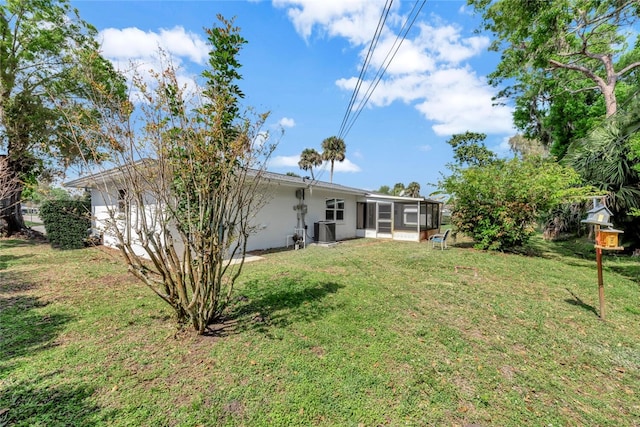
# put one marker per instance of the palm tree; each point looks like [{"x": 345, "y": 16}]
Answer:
[
  {"x": 413, "y": 189},
  {"x": 604, "y": 160},
  {"x": 309, "y": 159},
  {"x": 398, "y": 189},
  {"x": 333, "y": 148}
]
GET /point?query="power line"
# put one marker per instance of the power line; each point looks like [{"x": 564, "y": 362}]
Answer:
[
  {"x": 346, "y": 125},
  {"x": 366, "y": 63},
  {"x": 408, "y": 24},
  {"x": 354, "y": 96}
]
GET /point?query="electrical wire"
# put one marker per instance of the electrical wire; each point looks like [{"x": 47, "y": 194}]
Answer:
[
  {"x": 413, "y": 15},
  {"x": 366, "y": 63},
  {"x": 346, "y": 125}
]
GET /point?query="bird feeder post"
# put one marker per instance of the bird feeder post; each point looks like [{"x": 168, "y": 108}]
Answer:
[
  {"x": 605, "y": 239},
  {"x": 600, "y": 279}
]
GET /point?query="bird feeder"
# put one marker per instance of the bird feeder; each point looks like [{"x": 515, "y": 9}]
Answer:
[
  {"x": 599, "y": 215},
  {"x": 606, "y": 238}
]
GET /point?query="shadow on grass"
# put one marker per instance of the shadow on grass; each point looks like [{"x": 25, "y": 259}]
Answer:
[
  {"x": 630, "y": 270},
  {"x": 579, "y": 303},
  {"x": 49, "y": 401},
  {"x": 24, "y": 329},
  {"x": 16, "y": 243},
  {"x": 289, "y": 300},
  {"x": 5, "y": 260}
]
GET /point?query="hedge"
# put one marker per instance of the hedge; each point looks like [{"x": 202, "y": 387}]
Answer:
[{"x": 67, "y": 222}]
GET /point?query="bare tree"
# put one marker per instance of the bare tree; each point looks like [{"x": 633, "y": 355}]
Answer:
[{"x": 181, "y": 201}]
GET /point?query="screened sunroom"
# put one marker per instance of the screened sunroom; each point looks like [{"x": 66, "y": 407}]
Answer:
[{"x": 398, "y": 218}]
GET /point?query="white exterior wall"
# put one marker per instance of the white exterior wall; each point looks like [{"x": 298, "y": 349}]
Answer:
[
  {"x": 102, "y": 203},
  {"x": 273, "y": 222},
  {"x": 277, "y": 219}
]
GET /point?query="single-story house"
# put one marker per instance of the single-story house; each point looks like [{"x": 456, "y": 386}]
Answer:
[{"x": 310, "y": 210}]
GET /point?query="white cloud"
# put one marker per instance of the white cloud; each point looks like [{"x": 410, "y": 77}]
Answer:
[
  {"x": 503, "y": 149},
  {"x": 284, "y": 161},
  {"x": 410, "y": 57},
  {"x": 287, "y": 122},
  {"x": 429, "y": 71},
  {"x": 425, "y": 148},
  {"x": 457, "y": 100},
  {"x": 447, "y": 45},
  {"x": 355, "y": 20},
  {"x": 465, "y": 10},
  {"x": 346, "y": 166},
  {"x": 133, "y": 51},
  {"x": 133, "y": 43}
]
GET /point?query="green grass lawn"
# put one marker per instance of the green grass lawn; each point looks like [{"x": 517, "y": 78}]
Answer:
[{"x": 366, "y": 333}]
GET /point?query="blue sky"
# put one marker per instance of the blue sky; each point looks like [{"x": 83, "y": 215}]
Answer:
[{"x": 302, "y": 61}]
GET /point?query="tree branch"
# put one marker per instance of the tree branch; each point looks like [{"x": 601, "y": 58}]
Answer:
[
  {"x": 628, "y": 68},
  {"x": 584, "y": 70}
]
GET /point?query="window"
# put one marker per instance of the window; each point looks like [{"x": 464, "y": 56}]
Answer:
[
  {"x": 405, "y": 216},
  {"x": 334, "y": 210},
  {"x": 122, "y": 200},
  {"x": 410, "y": 215}
]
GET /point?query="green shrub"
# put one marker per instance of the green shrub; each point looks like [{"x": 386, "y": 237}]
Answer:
[
  {"x": 497, "y": 204},
  {"x": 66, "y": 222}
]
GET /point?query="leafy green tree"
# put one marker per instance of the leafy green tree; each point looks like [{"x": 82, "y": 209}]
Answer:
[
  {"x": 563, "y": 39},
  {"x": 47, "y": 53},
  {"x": 556, "y": 113},
  {"x": 310, "y": 159},
  {"x": 498, "y": 204},
  {"x": 384, "y": 189},
  {"x": 413, "y": 189},
  {"x": 607, "y": 159},
  {"x": 333, "y": 149},
  {"x": 469, "y": 149}
]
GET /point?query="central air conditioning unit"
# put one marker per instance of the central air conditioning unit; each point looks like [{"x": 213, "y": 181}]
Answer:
[{"x": 324, "y": 231}]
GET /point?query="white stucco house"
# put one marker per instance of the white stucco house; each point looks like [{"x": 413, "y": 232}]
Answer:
[{"x": 300, "y": 207}]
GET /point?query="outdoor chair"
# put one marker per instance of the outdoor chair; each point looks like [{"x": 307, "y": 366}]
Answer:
[{"x": 440, "y": 238}]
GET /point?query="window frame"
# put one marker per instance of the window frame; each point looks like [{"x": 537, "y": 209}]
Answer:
[
  {"x": 123, "y": 201},
  {"x": 334, "y": 209}
]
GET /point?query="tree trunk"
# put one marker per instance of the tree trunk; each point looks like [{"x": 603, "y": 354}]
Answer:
[
  {"x": 331, "y": 175},
  {"x": 610, "y": 101},
  {"x": 11, "y": 213}
]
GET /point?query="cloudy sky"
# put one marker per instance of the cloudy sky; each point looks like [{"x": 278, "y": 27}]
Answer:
[{"x": 302, "y": 63}]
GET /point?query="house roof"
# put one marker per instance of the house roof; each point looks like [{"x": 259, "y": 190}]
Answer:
[
  {"x": 111, "y": 175},
  {"x": 106, "y": 176}
]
